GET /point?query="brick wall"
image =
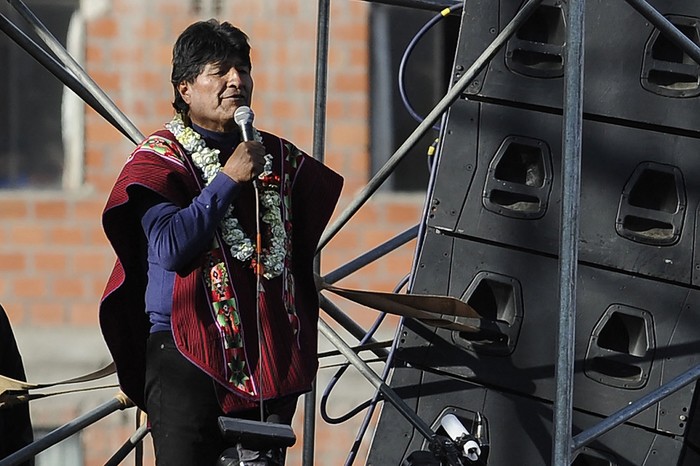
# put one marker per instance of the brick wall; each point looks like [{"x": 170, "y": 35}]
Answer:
[{"x": 54, "y": 258}]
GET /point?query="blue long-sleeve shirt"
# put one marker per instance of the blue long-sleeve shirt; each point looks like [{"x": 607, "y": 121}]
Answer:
[{"x": 176, "y": 235}]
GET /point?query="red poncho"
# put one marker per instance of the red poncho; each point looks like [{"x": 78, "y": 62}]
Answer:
[{"x": 289, "y": 360}]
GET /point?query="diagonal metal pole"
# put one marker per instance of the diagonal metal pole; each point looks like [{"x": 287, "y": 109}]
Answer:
[
  {"x": 120, "y": 401},
  {"x": 348, "y": 324},
  {"x": 389, "y": 394},
  {"x": 130, "y": 444},
  {"x": 441, "y": 107},
  {"x": 623, "y": 415},
  {"x": 58, "y": 70},
  {"x": 667, "y": 28},
  {"x": 371, "y": 256},
  {"x": 57, "y": 48},
  {"x": 568, "y": 246}
]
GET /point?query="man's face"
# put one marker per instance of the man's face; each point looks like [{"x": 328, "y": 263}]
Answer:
[{"x": 216, "y": 93}]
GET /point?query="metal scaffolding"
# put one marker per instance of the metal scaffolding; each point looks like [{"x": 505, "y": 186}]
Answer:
[{"x": 565, "y": 446}]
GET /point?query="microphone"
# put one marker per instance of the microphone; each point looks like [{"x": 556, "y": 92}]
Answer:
[{"x": 243, "y": 116}]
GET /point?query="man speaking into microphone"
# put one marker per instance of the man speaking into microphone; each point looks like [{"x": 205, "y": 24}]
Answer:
[{"x": 211, "y": 308}]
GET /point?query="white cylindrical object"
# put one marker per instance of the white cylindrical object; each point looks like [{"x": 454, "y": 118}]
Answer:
[
  {"x": 456, "y": 431},
  {"x": 453, "y": 427},
  {"x": 472, "y": 450}
]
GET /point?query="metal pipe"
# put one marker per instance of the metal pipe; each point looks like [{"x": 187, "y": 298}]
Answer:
[
  {"x": 319, "y": 144},
  {"x": 309, "y": 426},
  {"x": 667, "y": 28},
  {"x": 587, "y": 436},
  {"x": 321, "y": 81},
  {"x": 568, "y": 246},
  {"x": 129, "y": 445},
  {"x": 141, "y": 419},
  {"x": 58, "y": 70},
  {"x": 55, "y": 46},
  {"x": 348, "y": 324},
  {"x": 370, "y": 256},
  {"x": 388, "y": 394},
  {"x": 120, "y": 401},
  {"x": 453, "y": 94},
  {"x": 432, "y": 5}
]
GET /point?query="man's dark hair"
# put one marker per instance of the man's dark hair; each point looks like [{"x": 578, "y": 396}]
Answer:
[{"x": 201, "y": 43}]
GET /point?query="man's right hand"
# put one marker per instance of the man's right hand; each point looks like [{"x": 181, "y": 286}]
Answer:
[{"x": 246, "y": 162}]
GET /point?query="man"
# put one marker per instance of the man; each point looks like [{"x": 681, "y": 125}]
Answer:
[
  {"x": 15, "y": 421},
  {"x": 211, "y": 308}
]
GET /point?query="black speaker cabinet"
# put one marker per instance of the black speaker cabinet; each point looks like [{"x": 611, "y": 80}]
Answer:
[
  {"x": 632, "y": 73},
  {"x": 516, "y": 430},
  {"x": 499, "y": 179},
  {"x": 492, "y": 240},
  {"x": 633, "y": 334}
]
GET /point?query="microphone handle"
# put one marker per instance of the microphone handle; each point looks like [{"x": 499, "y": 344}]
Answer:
[{"x": 247, "y": 132}]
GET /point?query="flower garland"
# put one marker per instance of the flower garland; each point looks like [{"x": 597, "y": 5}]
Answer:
[{"x": 207, "y": 160}]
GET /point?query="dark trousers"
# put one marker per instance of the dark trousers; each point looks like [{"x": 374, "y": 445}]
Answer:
[{"x": 183, "y": 410}]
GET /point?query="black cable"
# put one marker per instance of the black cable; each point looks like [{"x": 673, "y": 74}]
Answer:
[
  {"x": 352, "y": 454},
  {"x": 336, "y": 377},
  {"x": 407, "y": 53}
]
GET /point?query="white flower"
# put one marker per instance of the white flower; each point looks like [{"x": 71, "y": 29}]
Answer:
[{"x": 207, "y": 160}]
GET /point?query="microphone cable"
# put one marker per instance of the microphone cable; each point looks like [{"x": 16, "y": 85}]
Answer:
[
  {"x": 258, "y": 293},
  {"x": 243, "y": 116}
]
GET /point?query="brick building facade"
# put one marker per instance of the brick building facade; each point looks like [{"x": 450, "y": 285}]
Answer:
[{"x": 54, "y": 258}]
